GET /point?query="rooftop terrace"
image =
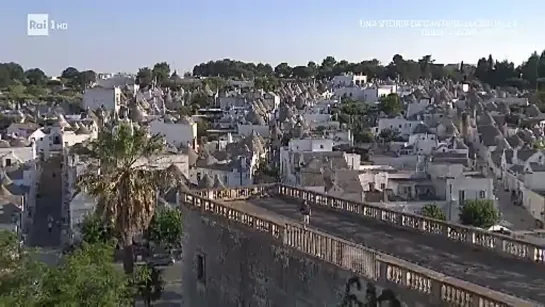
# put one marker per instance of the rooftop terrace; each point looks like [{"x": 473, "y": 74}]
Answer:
[{"x": 449, "y": 262}]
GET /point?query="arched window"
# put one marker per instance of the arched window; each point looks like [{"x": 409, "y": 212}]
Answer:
[{"x": 57, "y": 140}]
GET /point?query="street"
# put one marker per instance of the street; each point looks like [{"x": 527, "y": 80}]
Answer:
[
  {"x": 48, "y": 204},
  {"x": 513, "y": 217}
]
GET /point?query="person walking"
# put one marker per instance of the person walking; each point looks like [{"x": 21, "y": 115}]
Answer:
[
  {"x": 305, "y": 212},
  {"x": 50, "y": 221}
]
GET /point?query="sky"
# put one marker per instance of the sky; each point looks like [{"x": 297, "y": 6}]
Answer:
[{"x": 122, "y": 36}]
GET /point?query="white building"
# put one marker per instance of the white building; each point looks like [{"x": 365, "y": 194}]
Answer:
[
  {"x": 403, "y": 126},
  {"x": 176, "y": 134},
  {"x": 467, "y": 187},
  {"x": 292, "y": 156},
  {"x": 29, "y": 131},
  {"x": 119, "y": 81},
  {"x": 57, "y": 138},
  {"x": 233, "y": 173},
  {"x": 423, "y": 140},
  {"x": 97, "y": 97},
  {"x": 348, "y": 79}
]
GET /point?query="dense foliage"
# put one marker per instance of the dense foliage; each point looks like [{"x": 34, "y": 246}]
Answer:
[
  {"x": 126, "y": 186},
  {"x": 488, "y": 70},
  {"x": 86, "y": 277},
  {"x": 433, "y": 211},
  {"x": 165, "y": 228},
  {"x": 479, "y": 213}
]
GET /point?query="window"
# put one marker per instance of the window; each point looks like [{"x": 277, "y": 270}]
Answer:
[
  {"x": 199, "y": 176},
  {"x": 8, "y": 162},
  {"x": 201, "y": 273},
  {"x": 321, "y": 146},
  {"x": 383, "y": 186},
  {"x": 482, "y": 194},
  {"x": 461, "y": 197},
  {"x": 57, "y": 140}
]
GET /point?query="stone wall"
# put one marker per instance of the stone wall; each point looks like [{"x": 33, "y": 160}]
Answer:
[{"x": 242, "y": 267}]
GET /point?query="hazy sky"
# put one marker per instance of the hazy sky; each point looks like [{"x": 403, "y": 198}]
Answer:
[{"x": 119, "y": 35}]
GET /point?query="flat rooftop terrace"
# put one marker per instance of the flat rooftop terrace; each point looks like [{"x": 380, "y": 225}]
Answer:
[{"x": 485, "y": 268}]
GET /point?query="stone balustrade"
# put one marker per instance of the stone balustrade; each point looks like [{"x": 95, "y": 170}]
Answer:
[
  {"x": 471, "y": 235},
  {"x": 373, "y": 265}
]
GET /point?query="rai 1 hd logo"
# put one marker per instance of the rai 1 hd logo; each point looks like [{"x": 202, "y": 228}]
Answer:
[{"x": 41, "y": 25}]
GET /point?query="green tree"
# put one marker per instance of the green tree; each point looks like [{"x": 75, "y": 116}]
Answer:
[
  {"x": 149, "y": 283},
  {"x": 95, "y": 230},
  {"x": 87, "y": 277},
  {"x": 479, "y": 213},
  {"x": 87, "y": 77},
  {"x": 391, "y": 105},
  {"x": 302, "y": 72},
  {"x": 433, "y": 211},
  {"x": 144, "y": 76},
  {"x": 71, "y": 77},
  {"x": 166, "y": 228},
  {"x": 36, "y": 91},
  {"x": 161, "y": 72},
  {"x": 21, "y": 276},
  {"x": 389, "y": 135},
  {"x": 125, "y": 187},
  {"x": 36, "y": 76},
  {"x": 365, "y": 136},
  {"x": 17, "y": 91},
  {"x": 283, "y": 70}
]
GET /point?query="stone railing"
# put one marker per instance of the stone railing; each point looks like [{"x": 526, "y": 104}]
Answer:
[
  {"x": 478, "y": 237},
  {"x": 372, "y": 265},
  {"x": 246, "y": 192}
]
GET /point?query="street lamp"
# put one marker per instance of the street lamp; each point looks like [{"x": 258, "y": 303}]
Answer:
[{"x": 451, "y": 198}]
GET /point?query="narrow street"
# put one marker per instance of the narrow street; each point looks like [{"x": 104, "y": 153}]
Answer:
[
  {"x": 48, "y": 204},
  {"x": 513, "y": 217}
]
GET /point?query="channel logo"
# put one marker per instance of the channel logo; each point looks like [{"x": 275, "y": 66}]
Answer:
[{"x": 40, "y": 25}]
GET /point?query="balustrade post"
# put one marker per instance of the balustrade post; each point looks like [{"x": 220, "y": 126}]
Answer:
[
  {"x": 382, "y": 272},
  {"x": 284, "y": 234},
  {"x": 436, "y": 288}
]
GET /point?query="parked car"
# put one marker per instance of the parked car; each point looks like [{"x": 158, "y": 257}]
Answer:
[{"x": 161, "y": 260}]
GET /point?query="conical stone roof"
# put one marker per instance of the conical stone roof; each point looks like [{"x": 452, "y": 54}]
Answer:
[
  {"x": 206, "y": 182},
  {"x": 217, "y": 183},
  {"x": 4, "y": 192},
  {"x": 6, "y": 181}
]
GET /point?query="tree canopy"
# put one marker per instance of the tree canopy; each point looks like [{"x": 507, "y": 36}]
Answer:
[
  {"x": 479, "y": 213},
  {"x": 126, "y": 185},
  {"x": 487, "y": 69},
  {"x": 86, "y": 277},
  {"x": 433, "y": 211},
  {"x": 165, "y": 228},
  {"x": 391, "y": 105}
]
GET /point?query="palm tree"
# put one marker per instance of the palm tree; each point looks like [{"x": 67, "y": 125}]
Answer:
[{"x": 125, "y": 183}]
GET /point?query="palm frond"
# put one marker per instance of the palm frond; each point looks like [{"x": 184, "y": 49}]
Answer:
[{"x": 124, "y": 186}]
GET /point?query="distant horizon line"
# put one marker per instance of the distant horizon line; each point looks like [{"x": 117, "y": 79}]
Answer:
[{"x": 190, "y": 70}]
